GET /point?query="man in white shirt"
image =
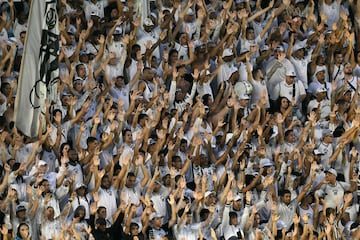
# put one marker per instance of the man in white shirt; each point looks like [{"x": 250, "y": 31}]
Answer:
[
  {"x": 326, "y": 147},
  {"x": 334, "y": 190},
  {"x": 121, "y": 91},
  {"x": 276, "y": 69},
  {"x": 290, "y": 88},
  {"x": 320, "y": 82},
  {"x": 321, "y": 103}
]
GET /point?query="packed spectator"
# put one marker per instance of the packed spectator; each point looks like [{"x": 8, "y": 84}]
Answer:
[{"x": 193, "y": 119}]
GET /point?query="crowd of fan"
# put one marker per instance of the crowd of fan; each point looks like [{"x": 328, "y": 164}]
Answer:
[{"x": 206, "y": 119}]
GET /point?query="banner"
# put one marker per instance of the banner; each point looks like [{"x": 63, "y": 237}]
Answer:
[{"x": 39, "y": 71}]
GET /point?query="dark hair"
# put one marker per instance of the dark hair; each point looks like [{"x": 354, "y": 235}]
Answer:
[
  {"x": 78, "y": 66},
  {"x": 77, "y": 212},
  {"x": 337, "y": 52},
  {"x": 203, "y": 214},
  {"x": 125, "y": 130},
  {"x": 133, "y": 224},
  {"x": 206, "y": 99},
  {"x": 283, "y": 192},
  {"x": 55, "y": 111},
  {"x": 172, "y": 51},
  {"x": 90, "y": 140},
  {"x": 99, "y": 209},
  {"x": 142, "y": 116},
  {"x": 131, "y": 174},
  {"x": 62, "y": 146},
  {"x": 288, "y": 132},
  {"x": 3, "y": 85},
  {"x": 232, "y": 215},
  {"x": 18, "y": 229}
]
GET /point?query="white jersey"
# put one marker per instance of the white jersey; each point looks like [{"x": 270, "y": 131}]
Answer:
[
  {"x": 332, "y": 12},
  {"x": 334, "y": 193},
  {"x": 301, "y": 69},
  {"x": 283, "y": 89},
  {"x": 276, "y": 72}
]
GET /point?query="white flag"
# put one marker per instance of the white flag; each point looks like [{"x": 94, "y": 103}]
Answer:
[{"x": 39, "y": 71}]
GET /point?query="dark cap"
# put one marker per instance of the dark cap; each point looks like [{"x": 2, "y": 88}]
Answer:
[{"x": 101, "y": 221}]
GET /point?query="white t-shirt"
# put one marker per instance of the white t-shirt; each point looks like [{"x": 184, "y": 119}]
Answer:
[
  {"x": 279, "y": 73},
  {"x": 97, "y": 7},
  {"x": 301, "y": 69},
  {"x": 258, "y": 88},
  {"x": 285, "y": 90},
  {"x": 325, "y": 107},
  {"x": 334, "y": 193},
  {"x": 107, "y": 198},
  {"x": 332, "y": 12}
]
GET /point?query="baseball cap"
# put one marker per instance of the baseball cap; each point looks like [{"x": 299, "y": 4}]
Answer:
[
  {"x": 320, "y": 90},
  {"x": 83, "y": 52},
  {"x": 264, "y": 48},
  {"x": 297, "y": 47},
  {"x": 280, "y": 48},
  {"x": 118, "y": 31},
  {"x": 244, "y": 50},
  {"x": 244, "y": 97},
  {"x": 318, "y": 152},
  {"x": 208, "y": 193},
  {"x": 80, "y": 185},
  {"x": 190, "y": 12},
  {"x": 219, "y": 134},
  {"x": 265, "y": 162},
  {"x": 155, "y": 215},
  {"x": 332, "y": 171},
  {"x": 42, "y": 163},
  {"x": 326, "y": 132},
  {"x": 290, "y": 73},
  {"x": 20, "y": 208},
  {"x": 148, "y": 22},
  {"x": 164, "y": 173},
  {"x": 77, "y": 80},
  {"x": 354, "y": 226},
  {"x": 319, "y": 69},
  {"x": 237, "y": 197},
  {"x": 280, "y": 225},
  {"x": 227, "y": 52},
  {"x": 95, "y": 13}
]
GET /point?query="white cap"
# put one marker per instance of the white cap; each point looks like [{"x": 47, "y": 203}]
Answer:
[
  {"x": 244, "y": 97},
  {"x": 264, "y": 48},
  {"x": 155, "y": 215},
  {"x": 227, "y": 52},
  {"x": 208, "y": 193},
  {"x": 118, "y": 31},
  {"x": 95, "y": 13},
  {"x": 232, "y": 70},
  {"x": 237, "y": 197},
  {"x": 190, "y": 12},
  {"x": 321, "y": 90},
  {"x": 319, "y": 69},
  {"x": 228, "y": 137},
  {"x": 280, "y": 48},
  {"x": 42, "y": 163},
  {"x": 244, "y": 50},
  {"x": 290, "y": 73},
  {"x": 79, "y": 185},
  {"x": 265, "y": 162},
  {"x": 148, "y": 22},
  {"x": 298, "y": 46},
  {"x": 332, "y": 171},
  {"x": 318, "y": 152}
]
